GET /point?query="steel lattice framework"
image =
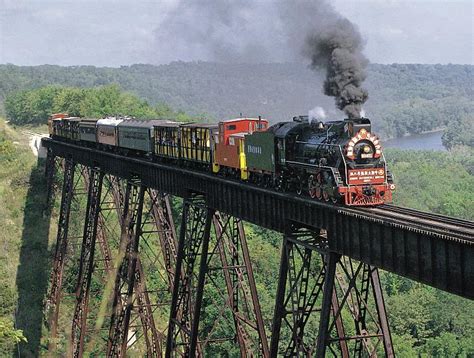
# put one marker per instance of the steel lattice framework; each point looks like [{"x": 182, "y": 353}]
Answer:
[{"x": 153, "y": 285}]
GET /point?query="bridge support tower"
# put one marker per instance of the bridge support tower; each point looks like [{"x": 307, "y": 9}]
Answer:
[
  {"x": 204, "y": 256},
  {"x": 315, "y": 287}
]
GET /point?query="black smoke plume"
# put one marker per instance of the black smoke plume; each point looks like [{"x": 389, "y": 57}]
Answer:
[
  {"x": 271, "y": 31},
  {"x": 337, "y": 49}
]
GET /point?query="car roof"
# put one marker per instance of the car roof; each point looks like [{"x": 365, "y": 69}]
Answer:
[
  {"x": 94, "y": 120},
  {"x": 109, "y": 121},
  {"x": 142, "y": 123},
  {"x": 200, "y": 125},
  {"x": 243, "y": 119}
]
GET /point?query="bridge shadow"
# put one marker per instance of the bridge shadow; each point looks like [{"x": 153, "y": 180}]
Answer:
[{"x": 32, "y": 275}]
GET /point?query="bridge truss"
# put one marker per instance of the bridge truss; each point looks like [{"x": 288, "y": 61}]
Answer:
[{"x": 136, "y": 286}]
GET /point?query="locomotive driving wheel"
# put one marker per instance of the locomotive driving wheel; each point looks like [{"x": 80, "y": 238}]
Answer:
[
  {"x": 327, "y": 188},
  {"x": 326, "y": 194}
]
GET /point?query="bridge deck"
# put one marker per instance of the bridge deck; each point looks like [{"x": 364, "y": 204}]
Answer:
[{"x": 431, "y": 249}]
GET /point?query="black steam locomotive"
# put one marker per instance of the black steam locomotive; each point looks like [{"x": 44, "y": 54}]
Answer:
[{"x": 338, "y": 161}]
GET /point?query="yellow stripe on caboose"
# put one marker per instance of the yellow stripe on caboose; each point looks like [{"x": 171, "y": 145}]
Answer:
[{"x": 244, "y": 173}]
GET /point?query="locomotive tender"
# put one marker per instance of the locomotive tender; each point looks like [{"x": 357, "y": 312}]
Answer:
[{"x": 337, "y": 161}]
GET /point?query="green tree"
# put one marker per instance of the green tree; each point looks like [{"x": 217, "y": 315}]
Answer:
[
  {"x": 449, "y": 345},
  {"x": 17, "y": 107},
  {"x": 9, "y": 336},
  {"x": 461, "y": 132},
  {"x": 69, "y": 100},
  {"x": 101, "y": 101}
]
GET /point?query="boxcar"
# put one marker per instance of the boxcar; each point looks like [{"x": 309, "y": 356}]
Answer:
[
  {"x": 167, "y": 141},
  {"x": 88, "y": 130},
  {"x": 196, "y": 142},
  {"x": 107, "y": 131}
]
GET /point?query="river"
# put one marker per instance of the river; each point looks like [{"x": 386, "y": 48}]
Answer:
[{"x": 427, "y": 141}]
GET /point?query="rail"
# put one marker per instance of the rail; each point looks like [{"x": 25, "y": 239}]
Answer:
[{"x": 445, "y": 225}]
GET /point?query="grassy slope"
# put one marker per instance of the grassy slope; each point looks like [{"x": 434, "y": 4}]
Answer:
[{"x": 24, "y": 236}]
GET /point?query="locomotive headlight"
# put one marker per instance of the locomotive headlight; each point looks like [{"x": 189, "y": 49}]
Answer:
[{"x": 367, "y": 149}]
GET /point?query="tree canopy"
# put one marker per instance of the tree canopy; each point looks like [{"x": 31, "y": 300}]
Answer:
[{"x": 35, "y": 106}]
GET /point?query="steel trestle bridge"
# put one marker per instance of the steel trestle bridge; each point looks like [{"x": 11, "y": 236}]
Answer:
[{"x": 328, "y": 299}]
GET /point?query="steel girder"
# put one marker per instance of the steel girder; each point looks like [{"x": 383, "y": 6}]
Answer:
[
  {"x": 50, "y": 171},
  {"x": 141, "y": 303},
  {"x": 56, "y": 278},
  {"x": 356, "y": 289},
  {"x": 193, "y": 242},
  {"x": 125, "y": 278},
  {"x": 225, "y": 252},
  {"x": 300, "y": 288},
  {"x": 86, "y": 264},
  {"x": 241, "y": 298},
  {"x": 163, "y": 220}
]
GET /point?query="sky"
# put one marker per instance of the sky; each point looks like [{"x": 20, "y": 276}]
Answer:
[{"x": 114, "y": 33}]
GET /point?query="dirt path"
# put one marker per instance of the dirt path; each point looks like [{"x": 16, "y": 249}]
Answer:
[{"x": 35, "y": 143}]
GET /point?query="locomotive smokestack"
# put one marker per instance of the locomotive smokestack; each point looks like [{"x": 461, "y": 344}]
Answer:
[{"x": 337, "y": 49}]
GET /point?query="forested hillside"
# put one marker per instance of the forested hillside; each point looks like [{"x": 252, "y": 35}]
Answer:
[{"x": 402, "y": 98}]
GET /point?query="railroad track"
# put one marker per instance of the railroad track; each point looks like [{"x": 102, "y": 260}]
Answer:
[{"x": 441, "y": 224}]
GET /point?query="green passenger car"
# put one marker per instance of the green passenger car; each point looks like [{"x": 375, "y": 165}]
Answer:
[
  {"x": 88, "y": 130},
  {"x": 136, "y": 135},
  {"x": 260, "y": 152}
]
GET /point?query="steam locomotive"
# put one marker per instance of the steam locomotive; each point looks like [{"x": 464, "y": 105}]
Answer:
[{"x": 337, "y": 161}]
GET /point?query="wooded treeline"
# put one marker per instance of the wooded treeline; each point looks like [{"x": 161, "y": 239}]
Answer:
[{"x": 403, "y": 99}]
